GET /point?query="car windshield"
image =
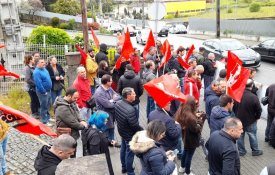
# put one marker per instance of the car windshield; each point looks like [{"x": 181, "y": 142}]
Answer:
[{"x": 232, "y": 45}]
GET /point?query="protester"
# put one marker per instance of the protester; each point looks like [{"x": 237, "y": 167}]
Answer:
[
  {"x": 43, "y": 83},
  {"x": 67, "y": 114},
  {"x": 94, "y": 141},
  {"x": 102, "y": 54},
  {"x": 30, "y": 85},
  {"x": 270, "y": 93},
  {"x": 153, "y": 158},
  {"x": 256, "y": 85},
  {"x": 105, "y": 98},
  {"x": 221, "y": 112},
  {"x": 249, "y": 111},
  {"x": 50, "y": 156},
  {"x": 127, "y": 125},
  {"x": 36, "y": 57},
  {"x": 191, "y": 124},
  {"x": 103, "y": 69},
  {"x": 135, "y": 60},
  {"x": 223, "y": 156},
  {"x": 190, "y": 85},
  {"x": 200, "y": 56},
  {"x": 271, "y": 137},
  {"x": 57, "y": 75},
  {"x": 177, "y": 66},
  {"x": 130, "y": 79},
  {"x": 209, "y": 69},
  {"x": 82, "y": 85},
  {"x": 91, "y": 69},
  {"x": 4, "y": 129},
  {"x": 173, "y": 129},
  {"x": 149, "y": 75}
]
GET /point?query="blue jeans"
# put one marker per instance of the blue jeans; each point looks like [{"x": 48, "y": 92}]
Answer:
[
  {"x": 110, "y": 133},
  {"x": 137, "y": 110},
  {"x": 93, "y": 90},
  {"x": 45, "y": 103},
  {"x": 55, "y": 94},
  {"x": 3, "y": 146},
  {"x": 127, "y": 157},
  {"x": 251, "y": 131},
  {"x": 85, "y": 113},
  {"x": 150, "y": 105},
  {"x": 270, "y": 118},
  {"x": 186, "y": 159},
  {"x": 179, "y": 146},
  {"x": 182, "y": 84}
]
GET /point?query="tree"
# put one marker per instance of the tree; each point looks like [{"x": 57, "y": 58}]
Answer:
[
  {"x": 54, "y": 36},
  {"x": 107, "y": 6},
  {"x": 134, "y": 12},
  {"x": 125, "y": 11},
  {"x": 31, "y": 6},
  {"x": 140, "y": 11},
  {"x": 47, "y": 4},
  {"x": 69, "y": 7}
]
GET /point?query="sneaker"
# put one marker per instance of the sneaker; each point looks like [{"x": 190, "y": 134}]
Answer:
[
  {"x": 117, "y": 145},
  {"x": 189, "y": 173},
  {"x": 51, "y": 120},
  {"x": 242, "y": 154},
  {"x": 181, "y": 170},
  {"x": 123, "y": 171},
  {"x": 49, "y": 124},
  {"x": 257, "y": 153}
]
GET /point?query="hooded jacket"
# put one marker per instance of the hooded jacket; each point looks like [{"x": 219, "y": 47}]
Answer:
[
  {"x": 82, "y": 85},
  {"x": 191, "y": 88},
  {"x": 148, "y": 75},
  {"x": 67, "y": 116},
  {"x": 217, "y": 118},
  {"x": 102, "y": 54},
  {"x": 46, "y": 161},
  {"x": 211, "y": 100},
  {"x": 153, "y": 159},
  {"x": 130, "y": 79}
]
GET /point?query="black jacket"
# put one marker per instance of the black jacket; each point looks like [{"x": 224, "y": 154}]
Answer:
[
  {"x": 270, "y": 92},
  {"x": 272, "y": 134},
  {"x": 102, "y": 55},
  {"x": 223, "y": 155},
  {"x": 46, "y": 162},
  {"x": 130, "y": 79},
  {"x": 127, "y": 121},
  {"x": 209, "y": 68},
  {"x": 176, "y": 65},
  {"x": 51, "y": 72},
  {"x": 173, "y": 130},
  {"x": 249, "y": 109}
]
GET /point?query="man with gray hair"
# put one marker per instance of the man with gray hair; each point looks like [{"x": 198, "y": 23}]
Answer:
[
  {"x": 249, "y": 111},
  {"x": 49, "y": 157},
  {"x": 82, "y": 85},
  {"x": 223, "y": 156},
  {"x": 127, "y": 126},
  {"x": 209, "y": 69}
]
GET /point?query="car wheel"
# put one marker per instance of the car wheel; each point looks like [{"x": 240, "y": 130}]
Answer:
[
  {"x": 166, "y": 35},
  {"x": 137, "y": 40}
]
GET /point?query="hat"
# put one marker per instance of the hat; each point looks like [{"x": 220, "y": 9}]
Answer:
[{"x": 103, "y": 47}]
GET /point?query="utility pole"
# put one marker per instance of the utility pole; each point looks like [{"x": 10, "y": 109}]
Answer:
[
  {"x": 218, "y": 20},
  {"x": 100, "y": 7},
  {"x": 143, "y": 15},
  {"x": 84, "y": 24}
]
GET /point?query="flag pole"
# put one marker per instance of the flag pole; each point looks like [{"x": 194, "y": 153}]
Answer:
[
  {"x": 163, "y": 69},
  {"x": 38, "y": 139},
  {"x": 165, "y": 111}
]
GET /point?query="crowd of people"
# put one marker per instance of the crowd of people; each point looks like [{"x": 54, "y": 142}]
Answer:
[{"x": 172, "y": 131}]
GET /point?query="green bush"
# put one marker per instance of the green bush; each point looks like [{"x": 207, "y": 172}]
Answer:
[
  {"x": 54, "y": 36},
  {"x": 230, "y": 11},
  {"x": 71, "y": 24},
  {"x": 248, "y": 1},
  {"x": 64, "y": 25},
  {"x": 104, "y": 31},
  {"x": 55, "y": 21},
  {"x": 254, "y": 7}
]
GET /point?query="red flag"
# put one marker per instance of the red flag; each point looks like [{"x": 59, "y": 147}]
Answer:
[
  {"x": 189, "y": 53},
  {"x": 96, "y": 41},
  {"x": 23, "y": 122},
  {"x": 121, "y": 38},
  {"x": 4, "y": 72},
  {"x": 84, "y": 56},
  {"x": 167, "y": 53},
  {"x": 236, "y": 77},
  {"x": 183, "y": 63},
  {"x": 150, "y": 43},
  {"x": 2, "y": 45},
  {"x": 126, "y": 50},
  {"x": 164, "y": 89}
]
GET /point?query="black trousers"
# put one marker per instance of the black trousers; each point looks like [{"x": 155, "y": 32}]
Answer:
[{"x": 35, "y": 105}]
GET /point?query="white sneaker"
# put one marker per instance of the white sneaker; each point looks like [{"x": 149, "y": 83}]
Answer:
[
  {"x": 189, "y": 173},
  {"x": 49, "y": 124},
  {"x": 52, "y": 120},
  {"x": 181, "y": 170}
]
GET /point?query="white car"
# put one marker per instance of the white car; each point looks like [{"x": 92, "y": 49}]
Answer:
[
  {"x": 115, "y": 27},
  {"x": 142, "y": 36},
  {"x": 177, "y": 29},
  {"x": 131, "y": 29}
]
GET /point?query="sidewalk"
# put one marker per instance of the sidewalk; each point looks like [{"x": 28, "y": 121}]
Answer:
[{"x": 249, "y": 165}]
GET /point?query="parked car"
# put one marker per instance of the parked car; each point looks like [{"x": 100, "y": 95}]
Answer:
[
  {"x": 131, "y": 29},
  {"x": 164, "y": 31},
  {"x": 115, "y": 28},
  {"x": 142, "y": 36},
  {"x": 266, "y": 49},
  {"x": 177, "y": 29},
  {"x": 220, "y": 47}
]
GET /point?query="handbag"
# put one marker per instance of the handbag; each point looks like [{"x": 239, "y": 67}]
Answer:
[
  {"x": 57, "y": 85},
  {"x": 264, "y": 100},
  {"x": 91, "y": 103},
  {"x": 60, "y": 131}
]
